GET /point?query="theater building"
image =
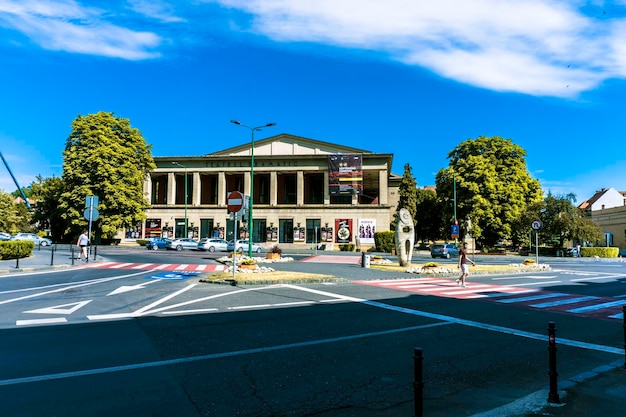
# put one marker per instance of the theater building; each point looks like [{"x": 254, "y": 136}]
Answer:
[{"x": 305, "y": 192}]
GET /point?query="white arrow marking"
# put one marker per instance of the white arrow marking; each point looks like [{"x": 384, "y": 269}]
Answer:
[
  {"x": 60, "y": 309},
  {"x": 127, "y": 288}
]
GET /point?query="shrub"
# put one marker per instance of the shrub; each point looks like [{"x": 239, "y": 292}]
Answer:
[
  {"x": 384, "y": 241},
  {"x": 142, "y": 242},
  {"x": 431, "y": 265},
  {"x": 10, "y": 249},
  {"x": 276, "y": 249},
  {"x": 348, "y": 247},
  {"x": 600, "y": 252},
  {"x": 248, "y": 262}
]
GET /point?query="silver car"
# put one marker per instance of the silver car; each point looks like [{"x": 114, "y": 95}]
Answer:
[
  {"x": 5, "y": 236},
  {"x": 38, "y": 240},
  {"x": 182, "y": 243},
  {"x": 242, "y": 246},
  {"x": 446, "y": 250},
  {"x": 212, "y": 244}
]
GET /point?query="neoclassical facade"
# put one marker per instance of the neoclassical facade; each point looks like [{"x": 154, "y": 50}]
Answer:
[{"x": 304, "y": 192}]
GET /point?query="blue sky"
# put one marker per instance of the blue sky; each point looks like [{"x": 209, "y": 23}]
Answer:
[{"x": 412, "y": 78}]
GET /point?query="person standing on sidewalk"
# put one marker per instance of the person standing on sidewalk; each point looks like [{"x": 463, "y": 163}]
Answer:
[
  {"x": 463, "y": 260},
  {"x": 82, "y": 243}
]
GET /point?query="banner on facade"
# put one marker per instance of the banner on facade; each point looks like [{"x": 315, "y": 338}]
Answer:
[
  {"x": 153, "y": 227},
  {"x": 367, "y": 228},
  {"x": 344, "y": 230},
  {"x": 345, "y": 174}
]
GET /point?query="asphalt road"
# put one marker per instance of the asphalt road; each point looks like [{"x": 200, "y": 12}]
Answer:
[{"x": 121, "y": 341}]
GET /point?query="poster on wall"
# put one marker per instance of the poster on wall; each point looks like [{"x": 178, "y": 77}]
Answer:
[
  {"x": 367, "y": 228},
  {"x": 344, "y": 230},
  {"x": 153, "y": 227},
  {"x": 345, "y": 174}
]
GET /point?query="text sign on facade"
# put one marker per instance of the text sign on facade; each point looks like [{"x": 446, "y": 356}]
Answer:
[{"x": 234, "y": 201}]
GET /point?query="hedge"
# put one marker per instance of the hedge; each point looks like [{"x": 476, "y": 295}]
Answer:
[
  {"x": 600, "y": 252},
  {"x": 10, "y": 249},
  {"x": 385, "y": 241}
]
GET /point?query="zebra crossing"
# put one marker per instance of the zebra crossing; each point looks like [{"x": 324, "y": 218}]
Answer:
[
  {"x": 586, "y": 305},
  {"x": 158, "y": 266}
]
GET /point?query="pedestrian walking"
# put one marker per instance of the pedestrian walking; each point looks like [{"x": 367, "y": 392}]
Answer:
[
  {"x": 82, "y": 243},
  {"x": 463, "y": 260}
]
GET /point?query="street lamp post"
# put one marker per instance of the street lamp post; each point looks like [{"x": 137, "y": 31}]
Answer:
[
  {"x": 250, "y": 225},
  {"x": 185, "y": 168}
]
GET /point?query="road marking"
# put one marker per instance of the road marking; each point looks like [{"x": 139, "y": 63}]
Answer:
[
  {"x": 127, "y": 288},
  {"x": 532, "y": 298},
  {"x": 56, "y": 320},
  {"x": 60, "y": 309},
  {"x": 189, "y": 359},
  {"x": 143, "y": 266},
  {"x": 120, "y": 266},
  {"x": 598, "y": 307},
  {"x": 564, "y": 302}
]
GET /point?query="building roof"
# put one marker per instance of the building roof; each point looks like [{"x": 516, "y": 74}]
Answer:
[{"x": 587, "y": 204}]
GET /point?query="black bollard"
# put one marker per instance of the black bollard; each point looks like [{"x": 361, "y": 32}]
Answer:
[
  {"x": 553, "y": 395},
  {"x": 52, "y": 255},
  {"x": 624, "y": 326},
  {"x": 17, "y": 260},
  {"x": 72, "y": 253},
  {"x": 418, "y": 383},
  {"x": 95, "y": 252}
]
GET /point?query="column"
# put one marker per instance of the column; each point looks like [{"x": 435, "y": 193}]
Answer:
[
  {"x": 221, "y": 189},
  {"x": 383, "y": 189},
  {"x": 171, "y": 188},
  {"x": 273, "y": 188},
  {"x": 326, "y": 192},
  {"x": 147, "y": 189},
  {"x": 195, "y": 193},
  {"x": 300, "y": 188}
]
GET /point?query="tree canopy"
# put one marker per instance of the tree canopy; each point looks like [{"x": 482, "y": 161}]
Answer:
[
  {"x": 407, "y": 193},
  {"x": 493, "y": 187},
  {"x": 106, "y": 157}
]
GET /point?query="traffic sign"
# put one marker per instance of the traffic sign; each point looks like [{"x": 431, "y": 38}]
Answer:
[
  {"x": 454, "y": 231},
  {"x": 91, "y": 213},
  {"x": 536, "y": 224},
  {"x": 235, "y": 201}
]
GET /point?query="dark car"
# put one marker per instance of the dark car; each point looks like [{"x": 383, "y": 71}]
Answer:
[
  {"x": 157, "y": 243},
  {"x": 422, "y": 246},
  {"x": 446, "y": 250}
]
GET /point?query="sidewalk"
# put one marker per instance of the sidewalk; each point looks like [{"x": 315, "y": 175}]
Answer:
[
  {"x": 45, "y": 258},
  {"x": 600, "y": 392}
]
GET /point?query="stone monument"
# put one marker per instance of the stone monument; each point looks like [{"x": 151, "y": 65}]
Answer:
[{"x": 404, "y": 237}]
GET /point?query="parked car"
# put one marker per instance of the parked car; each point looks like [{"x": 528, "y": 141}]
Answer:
[
  {"x": 242, "y": 246},
  {"x": 157, "y": 243},
  {"x": 38, "y": 240},
  {"x": 182, "y": 243},
  {"x": 446, "y": 250},
  {"x": 422, "y": 246},
  {"x": 212, "y": 244},
  {"x": 5, "y": 236}
]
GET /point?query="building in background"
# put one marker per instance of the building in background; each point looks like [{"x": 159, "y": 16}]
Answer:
[
  {"x": 305, "y": 192},
  {"x": 607, "y": 209}
]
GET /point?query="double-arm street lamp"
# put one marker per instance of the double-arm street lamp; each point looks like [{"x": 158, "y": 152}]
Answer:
[
  {"x": 185, "y": 168},
  {"x": 250, "y": 225}
]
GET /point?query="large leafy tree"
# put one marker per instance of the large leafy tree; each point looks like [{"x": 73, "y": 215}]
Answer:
[
  {"x": 14, "y": 217},
  {"x": 407, "y": 193},
  {"x": 493, "y": 187},
  {"x": 106, "y": 157},
  {"x": 428, "y": 216},
  {"x": 47, "y": 214}
]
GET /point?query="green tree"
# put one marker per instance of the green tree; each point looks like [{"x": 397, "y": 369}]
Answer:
[
  {"x": 13, "y": 217},
  {"x": 493, "y": 187},
  {"x": 47, "y": 214},
  {"x": 407, "y": 196},
  {"x": 428, "y": 216},
  {"x": 104, "y": 156}
]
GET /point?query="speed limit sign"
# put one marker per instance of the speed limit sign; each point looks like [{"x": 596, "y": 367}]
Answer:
[{"x": 536, "y": 224}]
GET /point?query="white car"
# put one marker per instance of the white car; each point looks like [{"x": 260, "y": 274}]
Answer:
[
  {"x": 38, "y": 240},
  {"x": 5, "y": 236},
  {"x": 212, "y": 244},
  {"x": 242, "y": 246}
]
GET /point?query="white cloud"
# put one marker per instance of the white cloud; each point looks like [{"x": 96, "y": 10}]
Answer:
[
  {"x": 68, "y": 26},
  {"x": 536, "y": 47}
]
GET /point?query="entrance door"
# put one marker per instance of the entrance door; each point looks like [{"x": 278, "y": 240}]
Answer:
[{"x": 285, "y": 228}]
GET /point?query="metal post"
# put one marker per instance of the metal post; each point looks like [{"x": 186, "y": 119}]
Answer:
[
  {"x": 235, "y": 245},
  {"x": 418, "y": 383},
  {"x": 95, "y": 252},
  {"x": 17, "y": 260},
  {"x": 624, "y": 326},
  {"x": 52, "y": 255},
  {"x": 553, "y": 395},
  {"x": 72, "y": 253},
  {"x": 537, "y": 247}
]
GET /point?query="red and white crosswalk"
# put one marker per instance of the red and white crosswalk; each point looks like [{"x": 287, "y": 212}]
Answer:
[
  {"x": 586, "y": 305},
  {"x": 158, "y": 266}
]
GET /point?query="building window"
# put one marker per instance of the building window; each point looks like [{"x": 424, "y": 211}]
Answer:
[
  {"x": 261, "y": 189},
  {"x": 159, "y": 189},
  {"x": 287, "y": 189},
  {"x": 180, "y": 188},
  {"x": 314, "y": 188},
  {"x": 208, "y": 189}
]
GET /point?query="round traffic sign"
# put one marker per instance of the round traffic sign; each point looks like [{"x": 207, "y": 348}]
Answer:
[
  {"x": 235, "y": 201},
  {"x": 91, "y": 213},
  {"x": 536, "y": 224}
]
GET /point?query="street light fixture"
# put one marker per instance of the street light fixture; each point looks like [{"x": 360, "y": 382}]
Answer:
[
  {"x": 250, "y": 225},
  {"x": 183, "y": 166}
]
